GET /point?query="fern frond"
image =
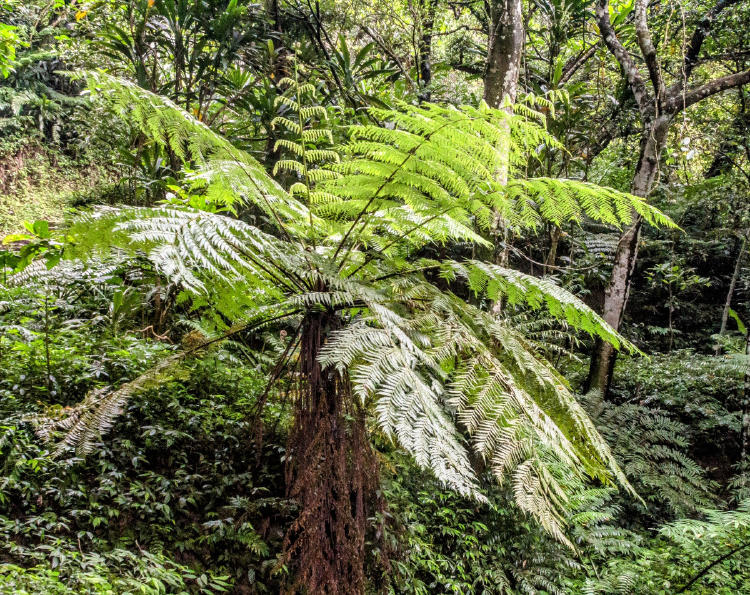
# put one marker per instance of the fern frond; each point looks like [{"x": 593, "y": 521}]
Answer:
[{"x": 234, "y": 175}]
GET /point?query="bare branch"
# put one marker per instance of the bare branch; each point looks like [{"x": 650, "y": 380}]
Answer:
[
  {"x": 388, "y": 52},
  {"x": 699, "y": 35},
  {"x": 677, "y": 102},
  {"x": 633, "y": 76},
  {"x": 572, "y": 65},
  {"x": 648, "y": 50}
]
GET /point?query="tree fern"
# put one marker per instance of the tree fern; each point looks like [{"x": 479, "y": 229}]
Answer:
[{"x": 441, "y": 375}]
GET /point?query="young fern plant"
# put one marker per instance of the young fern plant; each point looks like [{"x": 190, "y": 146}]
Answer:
[{"x": 373, "y": 331}]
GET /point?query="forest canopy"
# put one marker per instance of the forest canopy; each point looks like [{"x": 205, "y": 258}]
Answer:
[{"x": 374, "y": 297}]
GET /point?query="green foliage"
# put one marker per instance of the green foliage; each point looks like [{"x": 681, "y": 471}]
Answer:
[
  {"x": 360, "y": 76},
  {"x": 231, "y": 175},
  {"x": 8, "y": 42},
  {"x": 703, "y": 393},
  {"x": 654, "y": 450},
  {"x": 705, "y": 555},
  {"x": 116, "y": 571},
  {"x": 448, "y": 544},
  {"x": 177, "y": 49},
  {"x": 419, "y": 354},
  {"x": 147, "y": 387},
  {"x": 170, "y": 498}
]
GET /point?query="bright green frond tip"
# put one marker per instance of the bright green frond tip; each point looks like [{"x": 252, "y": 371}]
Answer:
[{"x": 230, "y": 174}]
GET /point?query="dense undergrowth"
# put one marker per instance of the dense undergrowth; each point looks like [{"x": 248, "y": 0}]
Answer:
[
  {"x": 185, "y": 494},
  {"x": 36, "y": 183},
  {"x": 439, "y": 335}
]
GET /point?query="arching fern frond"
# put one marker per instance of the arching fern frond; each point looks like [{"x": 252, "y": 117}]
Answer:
[{"x": 231, "y": 174}]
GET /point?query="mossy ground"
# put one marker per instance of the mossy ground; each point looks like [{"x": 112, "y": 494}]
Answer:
[{"x": 36, "y": 183}]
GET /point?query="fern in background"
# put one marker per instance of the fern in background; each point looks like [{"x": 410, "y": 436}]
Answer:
[
  {"x": 691, "y": 555},
  {"x": 653, "y": 450}
]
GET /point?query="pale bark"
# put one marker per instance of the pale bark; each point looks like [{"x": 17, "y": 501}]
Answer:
[
  {"x": 730, "y": 292},
  {"x": 617, "y": 292},
  {"x": 504, "y": 48},
  {"x": 554, "y": 242},
  {"x": 657, "y": 107}
]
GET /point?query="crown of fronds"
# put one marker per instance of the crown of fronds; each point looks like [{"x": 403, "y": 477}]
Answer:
[{"x": 442, "y": 376}]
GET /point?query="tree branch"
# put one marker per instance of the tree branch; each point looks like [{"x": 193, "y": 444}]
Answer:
[
  {"x": 634, "y": 78},
  {"x": 705, "y": 570},
  {"x": 699, "y": 35},
  {"x": 648, "y": 50},
  {"x": 679, "y": 101},
  {"x": 572, "y": 65},
  {"x": 388, "y": 52}
]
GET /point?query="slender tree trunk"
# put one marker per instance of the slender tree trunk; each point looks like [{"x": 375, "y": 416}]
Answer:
[
  {"x": 618, "y": 289},
  {"x": 554, "y": 242},
  {"x": 730, "y": 292},
  {"x": 657, "y": 107},
  {"x": 425, "y": 49},
  {"x": 504, "y": 48},
  {"x": 745, "y": 429},
  {"x": 670, "y": 323}
]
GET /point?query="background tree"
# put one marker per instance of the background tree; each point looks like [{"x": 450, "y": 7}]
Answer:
[{"x": 658, "y": 104}]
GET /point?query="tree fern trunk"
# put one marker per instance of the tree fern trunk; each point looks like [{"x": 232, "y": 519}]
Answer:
[{"x": 331, "y": 473}]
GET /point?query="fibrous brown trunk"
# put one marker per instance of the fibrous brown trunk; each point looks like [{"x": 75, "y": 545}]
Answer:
[{"x": 331, "y": 473}]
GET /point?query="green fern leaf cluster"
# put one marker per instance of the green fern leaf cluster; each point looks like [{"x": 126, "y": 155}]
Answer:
[
  {"x": 308, "y": 149},
  {"x": 230, "y": 175}
]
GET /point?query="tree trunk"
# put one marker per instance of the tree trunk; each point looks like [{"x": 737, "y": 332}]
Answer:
[
  {"x": 554, "y": 242},
  {"x": 425, "y": 49},
  {"x": 618, "y": 289},
  {"x": 730, "y": 292},
  {"x": 745, "y": 429},
  {"x": 504, "y": 48},
  {"x": 331, "y": 473}
]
